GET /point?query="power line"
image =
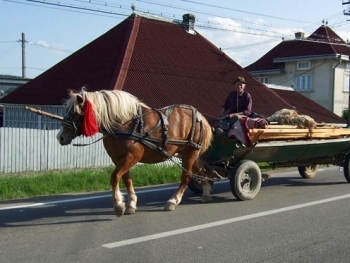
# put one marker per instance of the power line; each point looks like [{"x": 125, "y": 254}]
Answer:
[
  {"x": 242, "y": 11},
  {"x": 207, "y": 25},
  {"x": 11, "y": 41},
  {"x": 9, "y": 49},
  {"x": 57, "y": 6},
  {"x": 51, "y": 48},
  {"x": 60, "y": 4},
  {"x": 208, "y": 13}
]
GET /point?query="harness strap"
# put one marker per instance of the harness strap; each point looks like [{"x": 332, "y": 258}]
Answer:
[
  {"x": 165, "y": 124},
  {"x": 138, "y": 122},
  {"x": 148, "y": 141},
  {"x": 138, "y": 134}
]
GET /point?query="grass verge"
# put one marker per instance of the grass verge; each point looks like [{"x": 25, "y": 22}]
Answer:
[
  {"x": 87, "y": 180},
  {"x": 15, "y": 186}
]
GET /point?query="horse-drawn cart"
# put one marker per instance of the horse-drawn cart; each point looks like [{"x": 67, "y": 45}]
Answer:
[
  {"x": 144, "y": 131},
  {"x": 278, "y": 146}
]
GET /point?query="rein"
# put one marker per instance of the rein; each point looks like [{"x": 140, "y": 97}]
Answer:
[{"x": 87, "y": 144}]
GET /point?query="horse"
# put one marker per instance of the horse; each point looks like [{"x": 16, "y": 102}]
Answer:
[{"x": 134, "y": 132}]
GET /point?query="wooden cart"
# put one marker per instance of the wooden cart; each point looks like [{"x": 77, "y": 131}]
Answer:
[{"x": 275, "y": 147}]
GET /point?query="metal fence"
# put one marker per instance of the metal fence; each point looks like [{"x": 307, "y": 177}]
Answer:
[
  {"x": 15, "y": 116},
  {"x": 30, "y": 150},
  {"x": 24, "y": 150}
]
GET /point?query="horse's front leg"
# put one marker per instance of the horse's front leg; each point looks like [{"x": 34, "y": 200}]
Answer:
[
  {"x": 117, "y": 196},
  {"x": 132, "y": 198}
]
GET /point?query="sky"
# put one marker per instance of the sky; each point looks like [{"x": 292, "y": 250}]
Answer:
[{"x": 244, "y": 29}]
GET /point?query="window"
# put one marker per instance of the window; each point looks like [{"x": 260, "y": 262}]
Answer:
[
  {"x": 303, "y": 82},
  {"x": 346, "y": 83},
  {"x": 303, "y": 65},
  {"x": 263, "y": 79},
  {"x": 347, "y": 66}
]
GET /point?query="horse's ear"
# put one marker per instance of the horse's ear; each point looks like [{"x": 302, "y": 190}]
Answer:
[
  {"x": 70, "y": 92},
  {"x": 80, "y": 99}
]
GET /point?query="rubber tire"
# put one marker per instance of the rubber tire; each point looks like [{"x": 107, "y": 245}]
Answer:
[
  {"x": 346, "y": 168},
  {"x": 245, "y": 169},
  {"x": 308, "y": 172},
  {"x": 196, "y": 187}
]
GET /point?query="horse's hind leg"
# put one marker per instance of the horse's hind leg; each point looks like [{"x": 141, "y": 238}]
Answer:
[
  {"x": 132, "y": 198},
  {"x": 206, "y": 197},
  {"x": 200, "y": 168},
  {"x": 187, "y": 164}
]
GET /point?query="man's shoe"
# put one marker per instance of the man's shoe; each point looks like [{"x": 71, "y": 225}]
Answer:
[{"x": 219, "y": 131}]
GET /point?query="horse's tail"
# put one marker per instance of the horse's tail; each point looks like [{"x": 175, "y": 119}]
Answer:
[{"x": 207, "y": 135}]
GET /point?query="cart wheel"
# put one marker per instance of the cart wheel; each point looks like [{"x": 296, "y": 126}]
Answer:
[
  {"x": 346, "y": 167},
  {"x": 196, "y": 187},
  {"x": 308, "y": 172},
  {"x": 245, "y": 180}
]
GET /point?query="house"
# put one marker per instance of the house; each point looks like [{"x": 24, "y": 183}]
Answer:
[
  {"x": 8, "y": 83},
  {"x": 316, "y": 66},
  {"x": 160, "y": 61}
]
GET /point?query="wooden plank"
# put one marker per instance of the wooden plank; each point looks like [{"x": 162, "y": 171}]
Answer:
[
  {"x": 277, "y": 126},
  {"x": 256, "y": 136},
  {"x": 288, "y": 133}
]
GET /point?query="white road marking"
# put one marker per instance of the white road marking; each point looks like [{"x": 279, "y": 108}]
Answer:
[
  {"x": 55, "y": 202},
  {"x": 221, "y": 222},
  {"x": 80, "y": 199}
]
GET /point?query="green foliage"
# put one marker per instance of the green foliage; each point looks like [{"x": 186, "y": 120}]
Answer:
[{"x": 345, "y": 114}]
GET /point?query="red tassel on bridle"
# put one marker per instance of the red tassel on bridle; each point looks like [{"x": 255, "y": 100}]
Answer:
[{"x": 89, "y": 126}]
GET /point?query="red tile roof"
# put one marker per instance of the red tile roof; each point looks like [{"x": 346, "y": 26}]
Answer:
[
  {"x": 306, "y": 106},
  {"x": 323, "y": 42},
  {"x": 157, "y": 61}
]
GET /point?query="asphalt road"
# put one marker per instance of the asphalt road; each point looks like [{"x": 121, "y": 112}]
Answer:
[{"x": 291, "y": 220}]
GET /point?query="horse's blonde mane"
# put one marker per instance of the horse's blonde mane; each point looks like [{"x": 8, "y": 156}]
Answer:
[{"x": 111, "y": 108}]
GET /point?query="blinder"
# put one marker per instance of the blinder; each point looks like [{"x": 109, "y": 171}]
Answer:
[{"x": 72, "y": 125}]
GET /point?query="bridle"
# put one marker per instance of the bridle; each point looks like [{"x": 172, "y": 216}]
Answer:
[{"x": 72, "y": 125}]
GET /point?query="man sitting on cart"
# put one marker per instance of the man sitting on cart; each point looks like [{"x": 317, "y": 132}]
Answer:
[
  {"x": 238, "y": 102},
  {"x": 237, "y": 116}
]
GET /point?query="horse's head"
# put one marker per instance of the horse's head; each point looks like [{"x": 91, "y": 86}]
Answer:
[
  {"x": 72, "y": 122},
  {"x": 91, "y": 112}
]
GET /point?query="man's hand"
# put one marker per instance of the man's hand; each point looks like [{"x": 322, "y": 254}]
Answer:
[{"x": 229, "y": 116}]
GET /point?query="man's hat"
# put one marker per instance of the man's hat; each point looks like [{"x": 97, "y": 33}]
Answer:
[{"x": 240, "y": 79}]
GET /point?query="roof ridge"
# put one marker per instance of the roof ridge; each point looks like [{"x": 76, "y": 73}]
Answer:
[
  {"x": 159, "y": 18},
  {"x": 122, "y": 66}
]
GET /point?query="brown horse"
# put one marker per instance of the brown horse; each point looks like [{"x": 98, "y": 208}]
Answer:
[{"x": 134, "y": 132}]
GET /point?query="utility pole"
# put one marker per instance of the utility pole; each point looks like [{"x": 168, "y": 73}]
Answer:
[
  {"x": 23, "y": 42},
  {"x": 346, "y": 2}
]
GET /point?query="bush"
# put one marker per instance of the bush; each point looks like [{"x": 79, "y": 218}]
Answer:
[{"x": 345, "y": 114}]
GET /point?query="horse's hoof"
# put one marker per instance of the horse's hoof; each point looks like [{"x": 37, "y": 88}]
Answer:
[
  {"x": 119, "y": 209},
  {"x": 206, "y": 199},
  {"x": 130, "y": 210},
  {"x": 169, "y": 206}
]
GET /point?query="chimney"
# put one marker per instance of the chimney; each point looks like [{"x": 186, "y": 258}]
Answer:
[
  {"x": 188, "y": 23},
  {"x": 299, "y": 35}
]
